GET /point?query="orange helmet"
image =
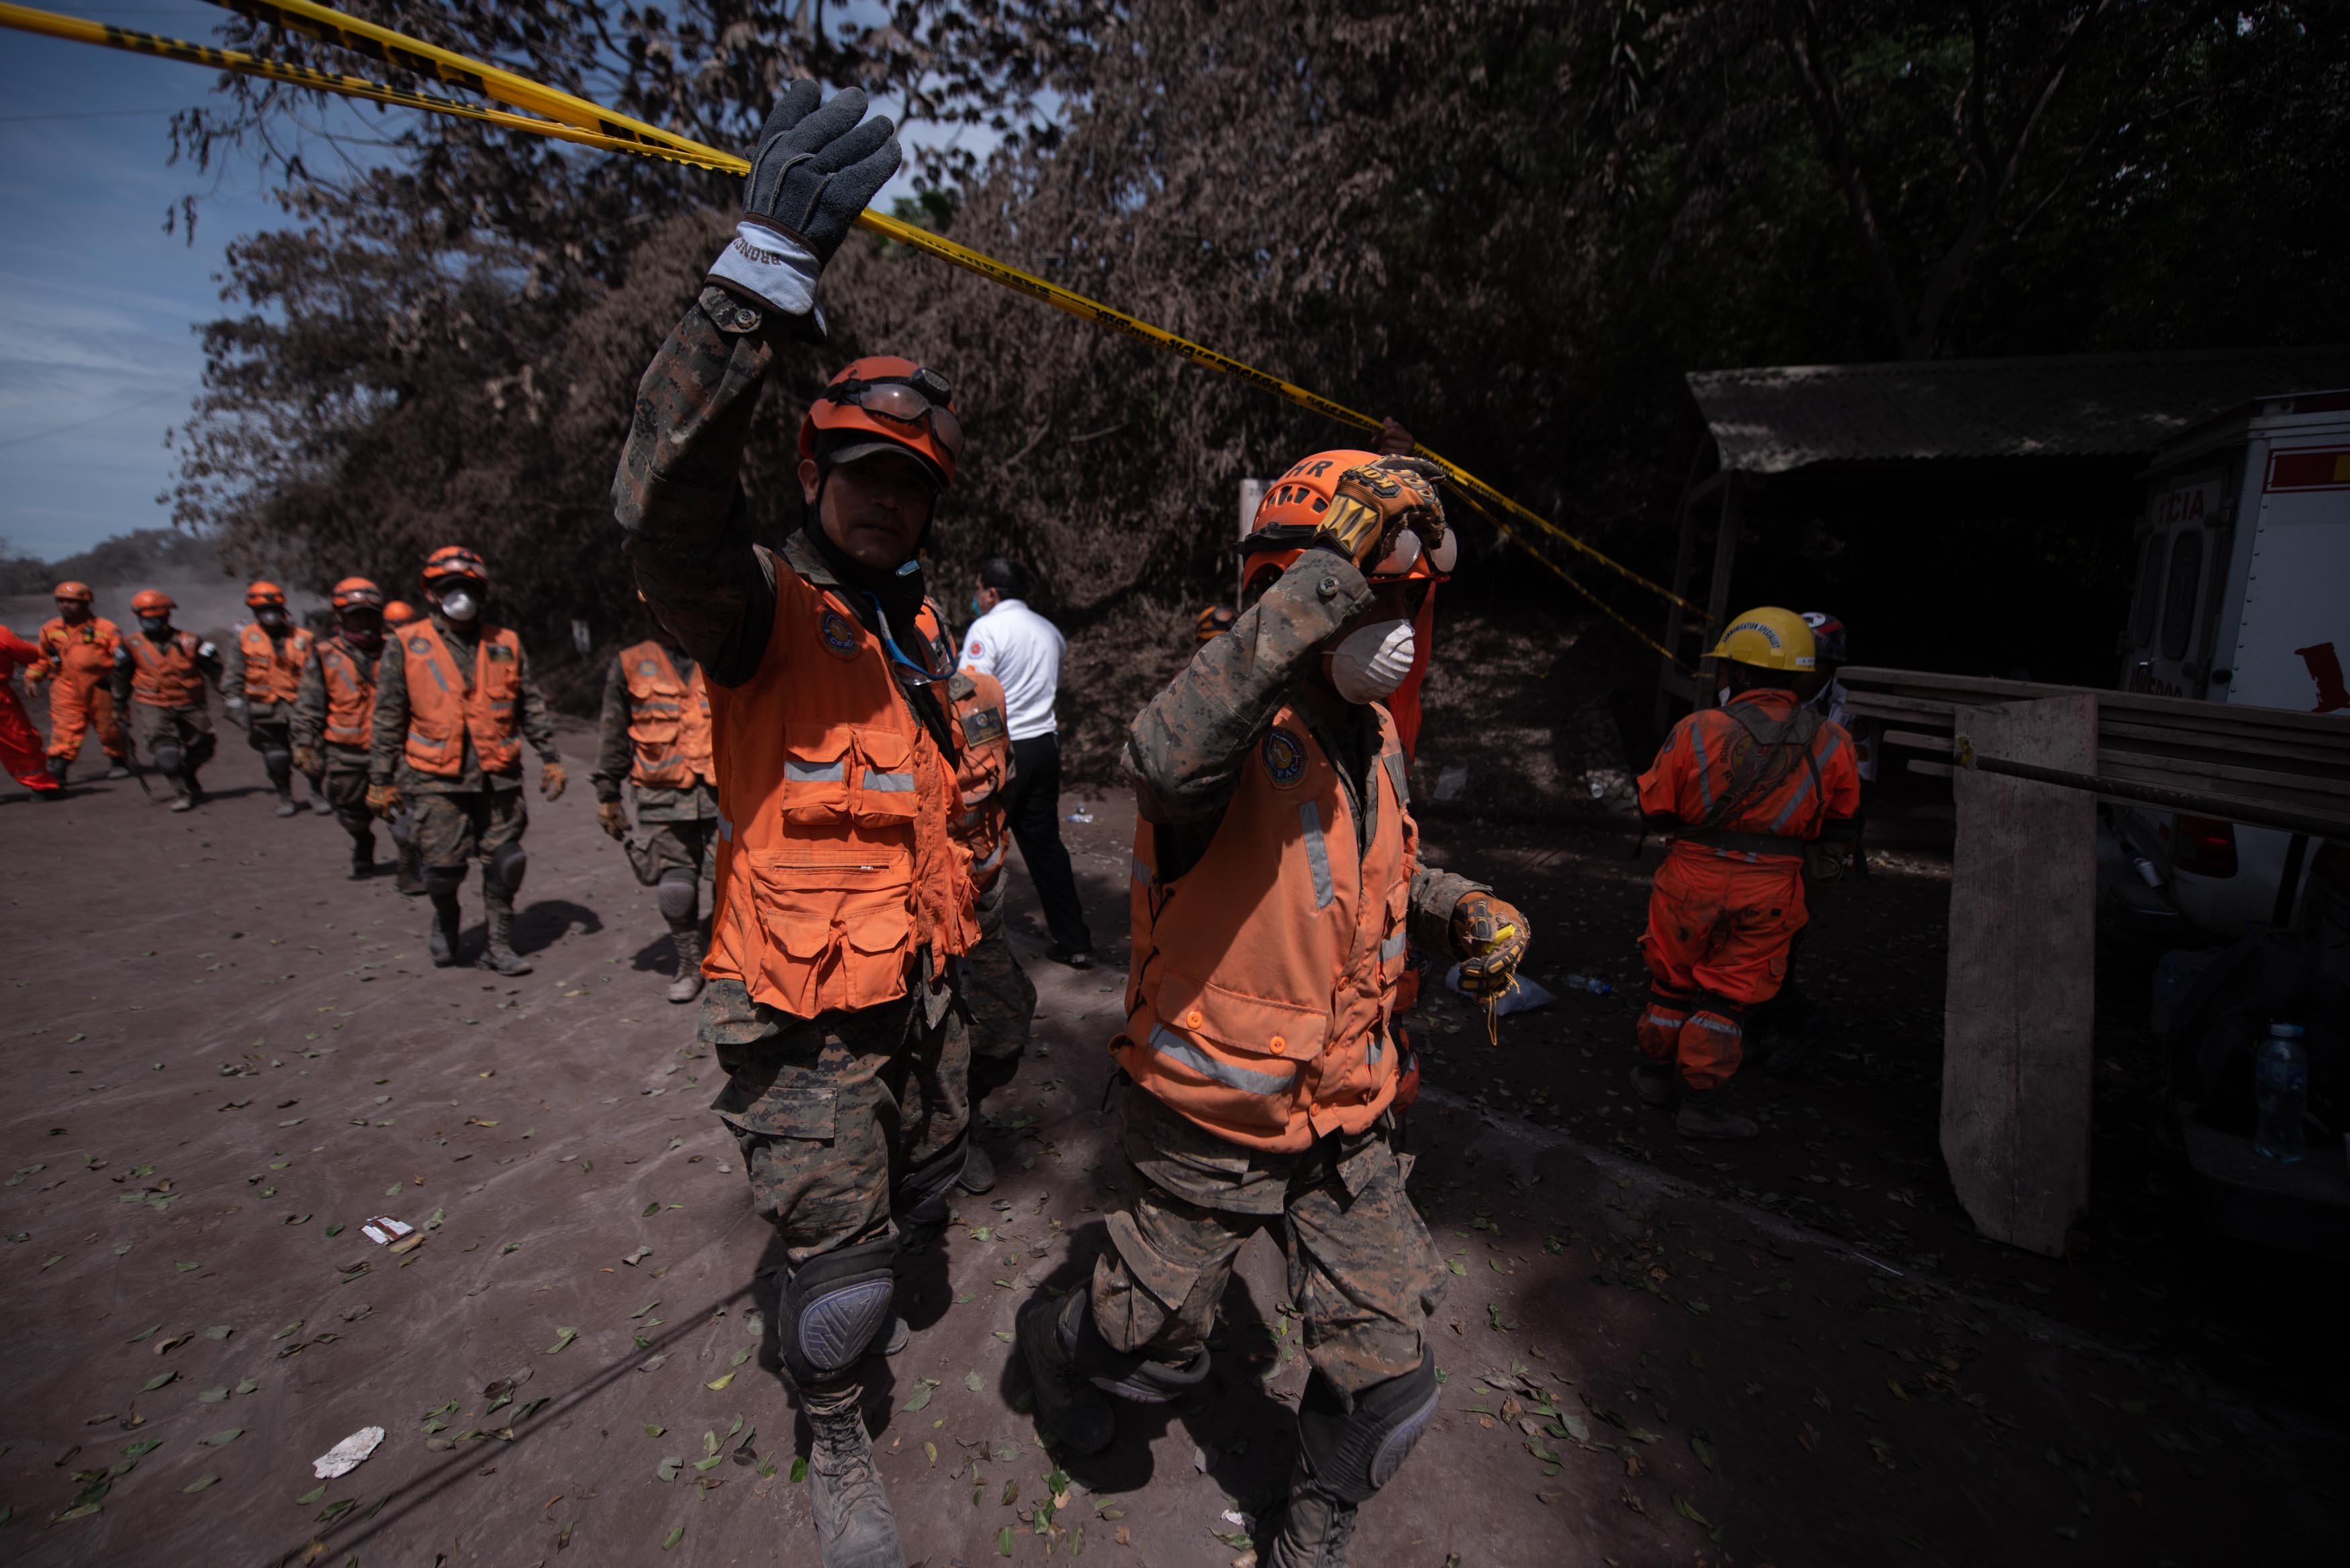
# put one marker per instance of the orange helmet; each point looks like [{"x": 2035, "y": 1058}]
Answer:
[
  {"x": 896, "y": 402},
  {"x": 263, "y": 593},
  {"x": 454, "y": 561},
  {"x": 78, "y": 592},
  {"x": 399, "y": 612},
  {"x": 357, "y": 592},
  {"x": 1291, "y": 509},
  {"x": 152, "y": 601}
]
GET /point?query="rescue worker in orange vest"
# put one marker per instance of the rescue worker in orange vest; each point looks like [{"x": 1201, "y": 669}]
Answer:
[
  {"x": 20, "y": 744},
  {"x": 159, "y": 676},
  {"x": 655, "y": 740},
  {"x": 455, "y": 705},
  {"x": 841, "y": 901},
  {"x": 78, "y": 648},
  {"x": 334, "y": 713},
  {"x": 1275, "y": 884},
  {"x": 262, "y": 682},
  {"x": 996, "y": 991},
  {"x": 408, "y": 868},
  {"x": 1747, "y": 789}
]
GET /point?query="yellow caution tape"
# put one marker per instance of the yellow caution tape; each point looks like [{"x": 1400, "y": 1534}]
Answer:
[{"x": 575, "y": 120}]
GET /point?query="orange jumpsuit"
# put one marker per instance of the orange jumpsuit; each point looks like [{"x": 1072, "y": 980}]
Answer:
[
  {"x": 1729, "y": 899},
  {"x": 81, "y": 659},
  {"x": 20, "y": 744}
]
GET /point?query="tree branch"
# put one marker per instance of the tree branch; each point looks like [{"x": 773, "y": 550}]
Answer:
[{"x": 1827, "y": 124}]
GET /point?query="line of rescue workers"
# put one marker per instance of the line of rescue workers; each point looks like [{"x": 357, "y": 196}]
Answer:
[{"x": 799, "y": 726}]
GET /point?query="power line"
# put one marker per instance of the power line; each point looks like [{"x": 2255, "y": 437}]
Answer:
[
  {"x": 94, "y": 419},
  {"x": 80, "y": 114}
]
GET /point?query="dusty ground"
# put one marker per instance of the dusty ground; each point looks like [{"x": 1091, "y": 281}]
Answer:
[{"x": 223, "y": 1058}]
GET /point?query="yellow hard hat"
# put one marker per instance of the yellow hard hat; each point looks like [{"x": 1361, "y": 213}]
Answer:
[{"x": 1768, "y": 638}]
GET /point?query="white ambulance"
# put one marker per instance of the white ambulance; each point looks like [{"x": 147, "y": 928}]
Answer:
[{"x": 2243, "y": 596}]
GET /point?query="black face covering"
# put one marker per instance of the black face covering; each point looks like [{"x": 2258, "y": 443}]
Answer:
[{"x": 369, "y": 642}]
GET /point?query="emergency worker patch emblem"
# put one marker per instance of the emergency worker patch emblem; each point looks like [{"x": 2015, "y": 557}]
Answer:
[
  {"x": 982, "y": 725},
  {"x": 1284, "y": 757},
  {"x": 420, "y": 647},
  {"x": 839, "y": 636}
]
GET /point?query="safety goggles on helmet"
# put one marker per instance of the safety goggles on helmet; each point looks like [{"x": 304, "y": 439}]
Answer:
[
  {"x": 454, "y": 561},
  {"x": 918, "y": 400}
]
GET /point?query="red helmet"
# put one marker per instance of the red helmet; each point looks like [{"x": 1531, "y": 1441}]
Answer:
[
  {"x": 399, "y": 612},
  {"x": 454, "y": 561},
  {"x": 353, "y": 592},
  {"x": 152, "y": 601},
  {"x": 78, "y": 592},
  {"x": 1292, "y": 510},
  {"x": 896, "y": 402},
  {"x": 263, "y": 593}
]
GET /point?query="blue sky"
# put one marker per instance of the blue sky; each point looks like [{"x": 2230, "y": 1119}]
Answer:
[{"x": 99, "y": 306}]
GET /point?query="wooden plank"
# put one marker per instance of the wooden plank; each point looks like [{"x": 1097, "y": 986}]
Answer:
[
  {"x": 2016, "y": 1053},
  {"x": 1911, "y": 740}
]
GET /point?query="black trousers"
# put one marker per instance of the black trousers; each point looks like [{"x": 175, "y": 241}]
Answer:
[{"x": 1033, "y": 806}]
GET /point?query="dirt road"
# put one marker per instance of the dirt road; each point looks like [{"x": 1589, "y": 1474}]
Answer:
[{"x": 224, "y": 1059}]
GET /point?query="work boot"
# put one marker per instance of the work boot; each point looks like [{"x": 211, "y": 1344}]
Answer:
[
  {"x": 407, "y": 871},
  {"x": 1653, "y": 1082},
  {"x": 854, "y": 1525},
  {"x": 286, "y": 803},
  {"x": 1068, "y": 1407},
  {"x": 118, "y": 771},
  {"x": 320, "y": 806},
  {"x": 978, "y": 1170},
  {"x": 1704, "y": 1115},
  {"x": 1315, "y": 1529},
  {"x": 58, "y": 768},
  {"x": 688, "y": 983},
  {"x": 447, "y": 921},
  {"x": 499, "y": 955},
  {"x": 185, "y": 800},
  {"x": 362, "y": 858}
]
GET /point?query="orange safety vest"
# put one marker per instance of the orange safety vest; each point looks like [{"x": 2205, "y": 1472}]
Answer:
[
  {"x": 1263, "y": 979},
  {"x": 169, "y": 676},
  {"x": 834, "y": 864},
  {"x": 273, "y": 671},
  {"x": 84, "y": 653},
  {"x": 350, "y": 693},
  {"x": 444, "y": 707},
  {"x": 1753, "y": 781},
  {"x": 668, "y": 720},
  {"x": 981, "y": 771}
]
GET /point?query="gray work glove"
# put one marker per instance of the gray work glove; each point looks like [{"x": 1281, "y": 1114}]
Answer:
[{"x": 812, "y": 172}]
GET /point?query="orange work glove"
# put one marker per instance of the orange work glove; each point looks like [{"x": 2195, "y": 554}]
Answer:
[
  {"x": 1375, "y": 504},
  {"x": 551, "y": 779},
  {"x": 383, "y": 800},
  {"x": 613, "y": 818},
  {"x": 308, "y": 762},
  {"x": 1490, "y": 935}
]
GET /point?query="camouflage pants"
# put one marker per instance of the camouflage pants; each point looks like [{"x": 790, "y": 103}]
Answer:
[
  {"x": 841, "y": 1115},
  {"x": 1363, "y": 1271},
  {"x": 190, "y": 729},
  {"x": 1000, "y": 995},
  {"x": 451, "y": 829},
  {"x": 344, "y": 783},
  {"x": 678, "y": 845}
]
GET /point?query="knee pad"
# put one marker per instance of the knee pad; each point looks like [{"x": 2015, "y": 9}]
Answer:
[
  {"x": 922, "y": 1195},
  {"x": 1123, "y": 1374},
  {"x": 1354, "y": 1453},
  {"x": 169, "y": 760},
  {"x": 834, "y": 1306},
  {"x": 277, "y": 762},
  {"x": 438, "y": 880},
  {"x": 507, "y": 863},
  {"x": 678, "y": 893}
]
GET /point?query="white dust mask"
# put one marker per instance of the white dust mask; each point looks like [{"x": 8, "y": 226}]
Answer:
[
  {"x": 1372, "y": 661},
  {"x": 458, "y": 605}
]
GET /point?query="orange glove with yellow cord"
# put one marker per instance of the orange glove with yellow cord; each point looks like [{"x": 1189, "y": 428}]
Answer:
[{"x": 1490, "y": 935}]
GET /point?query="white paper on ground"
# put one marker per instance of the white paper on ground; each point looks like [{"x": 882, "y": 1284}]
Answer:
[{"x": 347, "y": 1455}]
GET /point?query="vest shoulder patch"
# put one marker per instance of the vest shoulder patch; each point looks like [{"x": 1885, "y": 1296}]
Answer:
[
  {"x": 421, "y": 646},
  {"x": 1284, "y": 756},
  {"x": 982, "y": 724},
  {"x": 838, "y": 633},
  {"x": 499, "y": 653}
]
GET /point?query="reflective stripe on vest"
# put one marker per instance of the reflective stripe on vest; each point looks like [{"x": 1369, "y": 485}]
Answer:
[
  {"x": 834, "y": 866},
  {"x": 166, "y": 677},
  {"x": 272, "y": 669},
  {"x": 350, "y": 682},
  {"x": 1263, "y": 977},
  {"x": 668, "y": 720},
  {"x": 445, "y": 711}
]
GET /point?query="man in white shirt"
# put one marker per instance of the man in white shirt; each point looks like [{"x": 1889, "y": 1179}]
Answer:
[{"x": 1023, "y": 650}]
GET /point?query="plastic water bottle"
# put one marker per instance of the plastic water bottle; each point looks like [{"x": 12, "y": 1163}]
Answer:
[
  {"x": 1585, "y": 982},
  {"x": 2281, "y": 1085}
]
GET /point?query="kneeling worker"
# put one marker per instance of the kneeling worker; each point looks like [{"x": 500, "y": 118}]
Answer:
[
  {"x": 656, "y": 739},
  {"x": 1746, "y": 790},
  {"x": 334, "y": 713},
  {"x": 1276, "y": 887},
  {"x": 454, "y": 703}
]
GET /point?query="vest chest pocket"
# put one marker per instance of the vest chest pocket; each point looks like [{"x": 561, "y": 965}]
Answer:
[
  {"x": 1234, "y": 1023},
  {"x": 816, "y": 761},
  {"x": 884, "y": 793}
]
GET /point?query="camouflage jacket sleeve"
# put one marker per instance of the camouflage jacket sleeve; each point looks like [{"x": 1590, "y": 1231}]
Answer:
[
  {"x": 390, "y": 713},
  {"x": 1186, "y": 750},
  {"x": 310, "y": 727},
  {"x": 118, "y": 679},
  {"x": 613, "y": 751},
  {"x": 678, "y": 494},
  {"x": 1434, "y": 895},
  {"x": 230, "y": 680},
  {"x": 535, "y": 718}
]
